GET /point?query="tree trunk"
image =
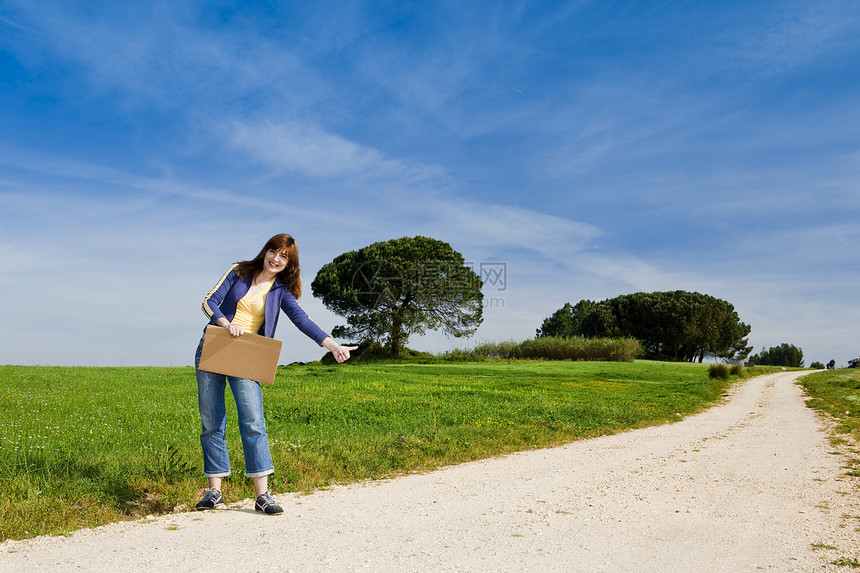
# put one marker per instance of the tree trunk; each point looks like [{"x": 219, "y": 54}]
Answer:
[{"x": 396, "y": 335}]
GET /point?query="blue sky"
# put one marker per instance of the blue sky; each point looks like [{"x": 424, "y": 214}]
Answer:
[{"x": 595, "y": 148}]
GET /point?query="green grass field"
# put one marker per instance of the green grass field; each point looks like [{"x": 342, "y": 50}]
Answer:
[
  {"x": 80, "y": 447},
  {"x": 836, "y": 392}
]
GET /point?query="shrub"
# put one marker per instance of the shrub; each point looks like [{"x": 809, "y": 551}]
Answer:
[
  {"x": 721, "y": 371},
  {"x": 505, "y": 349}
]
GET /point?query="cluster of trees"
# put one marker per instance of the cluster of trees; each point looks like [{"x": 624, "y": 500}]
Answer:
[
  {"x": 792, "y": 356},
  {"x": 783, "y": 355},
  {"x": 678, "y": 325}
]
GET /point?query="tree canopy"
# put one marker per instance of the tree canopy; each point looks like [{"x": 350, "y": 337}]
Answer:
[
  {"x": 783, "y": 355},
  {"x": 678, "y": 325},
  {"x": 392, "y": 289}
]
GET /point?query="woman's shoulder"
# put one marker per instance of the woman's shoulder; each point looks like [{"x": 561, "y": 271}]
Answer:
[
  {"x": 233, "y": 270},
  {"x": 232, "y": 276}
]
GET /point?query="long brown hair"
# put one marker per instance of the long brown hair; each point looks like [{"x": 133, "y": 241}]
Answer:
[{"x": 291, "y": 276}]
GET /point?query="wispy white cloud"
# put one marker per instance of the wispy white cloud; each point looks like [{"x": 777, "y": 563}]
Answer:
[
  {"x": 146, "y": 57},
  {"x": 9, "y": 22},
  {"x": 798, "y": 32},
  {"x": 304, "y": 147},
  {"x": 828, "y": 251},
  {"x": 53, "y": 177},
  {"x": 410, "y": 198}
]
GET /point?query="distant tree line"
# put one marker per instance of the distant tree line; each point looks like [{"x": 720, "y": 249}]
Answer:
[
  {"x": 676, "y": 325},
  {"x": 783, "y": 355}
]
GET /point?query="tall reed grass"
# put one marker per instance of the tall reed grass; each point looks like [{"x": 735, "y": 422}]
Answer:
[
  {"x": 725, "y": 371},
  {"x": 553, "y": 348}
]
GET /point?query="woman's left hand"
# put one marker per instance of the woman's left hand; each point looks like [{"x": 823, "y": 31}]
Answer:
[{"x": 340, "y": 353}]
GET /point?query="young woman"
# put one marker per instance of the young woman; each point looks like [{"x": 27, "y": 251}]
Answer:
[{"x": 249, "y": 298}]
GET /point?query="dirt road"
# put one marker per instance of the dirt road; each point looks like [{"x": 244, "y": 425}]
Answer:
[{"x": 751, "y": 485}]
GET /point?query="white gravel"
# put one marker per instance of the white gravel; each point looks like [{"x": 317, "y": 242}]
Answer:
[{"x": 751, "y": 485}]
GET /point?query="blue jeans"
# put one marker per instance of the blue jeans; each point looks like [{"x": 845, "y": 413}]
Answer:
[{"x": 211, "y": 388}]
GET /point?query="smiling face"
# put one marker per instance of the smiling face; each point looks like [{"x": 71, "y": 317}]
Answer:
[
  {"x": 280, "y": 256},
  {"x": 275, "y": 261}
]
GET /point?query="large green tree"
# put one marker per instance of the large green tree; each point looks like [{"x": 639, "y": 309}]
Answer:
[
  {"x": 678, "y": 325},
  {"x": 392, "y": 289}
]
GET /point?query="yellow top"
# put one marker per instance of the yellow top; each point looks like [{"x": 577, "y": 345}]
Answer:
[{"x": 249, "y": 310}]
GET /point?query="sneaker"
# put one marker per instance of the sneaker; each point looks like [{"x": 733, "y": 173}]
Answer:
[
  {"x": 211, "y": 499},
  {"x": 266, "y": 504}
]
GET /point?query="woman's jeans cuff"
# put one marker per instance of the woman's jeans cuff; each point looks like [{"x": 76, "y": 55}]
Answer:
[{"x": 263, "y": 473}]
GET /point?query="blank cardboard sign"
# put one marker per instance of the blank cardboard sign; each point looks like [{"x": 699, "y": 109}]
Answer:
[{"x": 249, "y": 356}]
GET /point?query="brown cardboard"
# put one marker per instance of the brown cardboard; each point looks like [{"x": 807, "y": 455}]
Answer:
[{"x": 249, "y": 356}]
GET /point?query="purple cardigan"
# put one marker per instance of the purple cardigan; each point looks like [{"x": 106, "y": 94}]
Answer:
[{"x": 229, "y": 290}]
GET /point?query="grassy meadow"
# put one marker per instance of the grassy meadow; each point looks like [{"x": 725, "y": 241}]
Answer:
[
  {"x": 84, "y": 446},
  {"x": 836, "y": 392}
]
